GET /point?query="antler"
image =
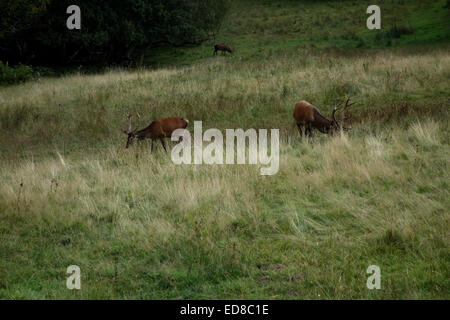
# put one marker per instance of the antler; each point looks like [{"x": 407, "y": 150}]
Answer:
[
  {"x": 337, "y": 107},
  {"x": 337, "y": 103},
  {"x": 128, "y": 131},
  {"x": 348, "y": 105},
  {"x": 346, "y": 117},
  {"x": 129, "y": 124},
  {"x": 139, "y": 117}
]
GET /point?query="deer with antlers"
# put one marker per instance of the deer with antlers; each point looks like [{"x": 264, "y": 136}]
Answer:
[
  {"x": 157, "y": 129},
  {"x": 308, "y": 116}
]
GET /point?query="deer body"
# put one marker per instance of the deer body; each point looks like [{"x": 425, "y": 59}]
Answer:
[
  {"x": 157, "y": 129},
  {"x": 222, "y": 47},
  {"x": 308, "y": 116},
  {"x": 305, "y": 114}
]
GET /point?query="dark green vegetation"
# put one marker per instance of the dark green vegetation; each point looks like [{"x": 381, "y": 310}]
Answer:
[
  {"x": 15, "y": 74},
  {"x": 141, "y": 227},
  {"x": 35, "y": 32}
]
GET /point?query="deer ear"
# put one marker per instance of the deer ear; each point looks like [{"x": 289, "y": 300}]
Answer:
[{"x": 125, "y": 131}]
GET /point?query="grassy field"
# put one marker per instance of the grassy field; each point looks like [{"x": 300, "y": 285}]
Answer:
[
  {"x": 141, "y": 227},
  {"x": 264, "y": 29}
]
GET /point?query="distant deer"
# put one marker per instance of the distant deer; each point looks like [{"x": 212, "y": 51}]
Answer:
[
  {"x": 307, "y": 115},
  {"x": 222, "y": 47},
  {"x": 157, "y": 129}
]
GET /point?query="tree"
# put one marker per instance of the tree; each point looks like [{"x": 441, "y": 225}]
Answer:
[{"x": 111, "y": 30}]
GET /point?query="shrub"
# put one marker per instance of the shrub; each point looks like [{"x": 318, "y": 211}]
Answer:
[
  {"x": 17, "y": 74},
  {"x": 398, "y": 31}
]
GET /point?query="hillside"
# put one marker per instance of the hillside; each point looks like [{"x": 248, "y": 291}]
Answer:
[
  {"x": 141, "y": 227},
  {"x": 267, "y": 29}
]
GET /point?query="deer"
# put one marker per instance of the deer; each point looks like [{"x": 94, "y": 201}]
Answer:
[
  {"x": 307, "y": 115},
  {"x": 157, "y": 129},
  {"x": 222, "y": 47}
]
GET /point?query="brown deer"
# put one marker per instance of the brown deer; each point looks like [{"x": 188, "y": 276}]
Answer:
[
  {"x": 222, "y": 47},
  {"x": 307, "y": 115},
  {"x": 157, "y": 129}
]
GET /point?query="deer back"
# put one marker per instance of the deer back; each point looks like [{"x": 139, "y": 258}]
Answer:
[
  {"x": 164, "y": 127},
  {"x": 222, "y": 47},
  {"x": 304, "y": 112}
]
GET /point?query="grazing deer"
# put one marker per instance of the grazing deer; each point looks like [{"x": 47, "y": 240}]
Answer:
[
  {"x": 222, "y": 47},
  {"x": 157, "y": 129},
  {"x": 305, "y": 114}
]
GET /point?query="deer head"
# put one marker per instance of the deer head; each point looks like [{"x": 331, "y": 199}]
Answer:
[
  {"x": 337, "y": 106},
  {"x": 131, "y": 133}
]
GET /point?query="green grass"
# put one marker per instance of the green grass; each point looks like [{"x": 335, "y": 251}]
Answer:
[
  {"x": 262, "y": 29},
  {"x": 141, "y": 227}
]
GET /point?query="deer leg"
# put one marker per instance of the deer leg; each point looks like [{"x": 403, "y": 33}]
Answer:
[
  {"x": 300, "y": 129},
  {"x": 309, "y": 130},
  {"x": 152, "y": 145},
  {"x": 163, "y": 144}
]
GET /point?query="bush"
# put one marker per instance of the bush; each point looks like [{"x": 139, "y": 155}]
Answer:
[
  {"x": 17, "y": 74},
  {"x": 398, "y": 31}
]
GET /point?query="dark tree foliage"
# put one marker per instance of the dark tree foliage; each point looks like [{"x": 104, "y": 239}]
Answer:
[{"x": 34, "y": 31}]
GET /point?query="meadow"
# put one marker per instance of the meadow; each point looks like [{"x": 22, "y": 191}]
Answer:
[{"x": 140, "y": 227}]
